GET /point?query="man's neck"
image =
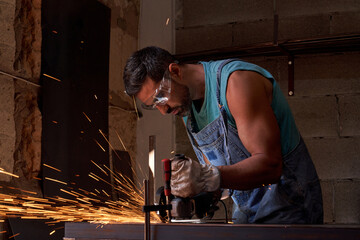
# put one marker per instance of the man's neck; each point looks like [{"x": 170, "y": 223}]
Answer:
[{"x": 194, "y": 78}]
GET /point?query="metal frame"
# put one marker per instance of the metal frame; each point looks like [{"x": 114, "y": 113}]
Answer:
[
  {"x": 87, "y": 231},
  {"x": 290, "y": 48}
]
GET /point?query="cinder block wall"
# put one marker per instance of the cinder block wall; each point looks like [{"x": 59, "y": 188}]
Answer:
[
  {"x": 216, "y": 24},
  {"x": 327, "y": 86}
]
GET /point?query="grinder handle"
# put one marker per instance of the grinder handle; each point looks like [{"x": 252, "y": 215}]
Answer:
[{"x": 167, "y": 175}]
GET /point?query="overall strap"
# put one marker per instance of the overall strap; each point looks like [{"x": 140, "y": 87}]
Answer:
[{"x": 218, "y": 79}]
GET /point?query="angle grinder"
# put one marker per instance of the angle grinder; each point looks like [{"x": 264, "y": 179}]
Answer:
[{"x": 198, "y": 208}]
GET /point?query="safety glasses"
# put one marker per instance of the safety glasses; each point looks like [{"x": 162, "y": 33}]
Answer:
[{"x": 161, "y": 95}]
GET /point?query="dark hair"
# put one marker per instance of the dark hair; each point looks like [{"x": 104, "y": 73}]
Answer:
[{"x": 149, "y": 61}]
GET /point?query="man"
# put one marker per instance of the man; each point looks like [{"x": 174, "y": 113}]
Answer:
[{"x": 242, "y": 132}]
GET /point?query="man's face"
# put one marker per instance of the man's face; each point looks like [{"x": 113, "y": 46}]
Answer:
[{"x": 179, "y": 102}]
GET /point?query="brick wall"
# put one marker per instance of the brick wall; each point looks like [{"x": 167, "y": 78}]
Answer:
[{"x": 327, "y": 86}]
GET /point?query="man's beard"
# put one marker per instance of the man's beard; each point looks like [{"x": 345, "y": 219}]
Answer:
[{"x": 185, "y": 106}]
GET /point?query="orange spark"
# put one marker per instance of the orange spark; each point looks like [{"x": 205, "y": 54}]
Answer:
[
  {"x": 87, "y": 117},
  {"x": 51, "y": 167},
  {"x": 7, "y": 173},
  {"x": 99, "y": 168},
  {"x": 14, "y": 235},
  {"x": 99, "y": 145},
  {"x": 46, "y": 75},
  {"x": 90, "y": 175},
  {"x": 54, "y": 180}
]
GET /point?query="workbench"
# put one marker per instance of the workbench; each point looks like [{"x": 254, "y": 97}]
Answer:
[{"x": 88, "y": 231}]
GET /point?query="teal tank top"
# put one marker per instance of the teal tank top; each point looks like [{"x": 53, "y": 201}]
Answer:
[{"x": 290, "y": 136}]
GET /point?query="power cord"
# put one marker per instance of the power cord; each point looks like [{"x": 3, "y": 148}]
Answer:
[{"x": 226, "y": 213}]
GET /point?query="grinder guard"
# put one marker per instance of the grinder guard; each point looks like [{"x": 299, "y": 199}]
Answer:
[{"x": 203, "y": 206}]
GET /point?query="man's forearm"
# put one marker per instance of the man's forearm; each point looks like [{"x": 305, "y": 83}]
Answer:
[{"x": 250, "y": 173}]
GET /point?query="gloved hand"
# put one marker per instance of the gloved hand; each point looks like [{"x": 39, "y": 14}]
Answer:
[{"x": 189, "y": 177}]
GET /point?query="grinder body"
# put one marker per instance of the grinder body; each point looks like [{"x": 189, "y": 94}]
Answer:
[{"x": 202, "y": 206}]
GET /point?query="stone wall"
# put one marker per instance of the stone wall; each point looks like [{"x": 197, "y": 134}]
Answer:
[
  {"x": 327, "y": 86},
  {"x": 20, "y": 117},
  {"x": 20, "y": 58}
]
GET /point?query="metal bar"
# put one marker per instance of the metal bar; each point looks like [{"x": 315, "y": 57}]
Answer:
[
  {"x": 87, "y": 231},
  {"x": 19, "y": 78},
  {"x": 326, "y": 44},
  {"x": 154, "y": 208},
  {"x": 152, "y": 164},
  {"x": 147, "y": 214}
]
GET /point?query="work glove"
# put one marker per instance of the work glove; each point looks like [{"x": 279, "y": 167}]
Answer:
[{"x": 189, "y": 177}]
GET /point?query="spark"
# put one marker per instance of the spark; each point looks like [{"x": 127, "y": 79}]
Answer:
[
  {"x": 30, "y": 192},
  {"x": 112, "y": 148},
  {"x": 52, "y": 232},
  {"x": 14, "y": 235},
  {"x": 46, "y": 75},
  {"x": 99, "y": 145},
  {"x": 95, "y": 96},
  {"x": 135, "y": 106},
  {"x": 55, "y": 122},
  {"x": 122, "y": 143},
  {"x": 106, "y": 193},
  {"x": 51, "y": 167},
  {"x": 167, "y": 21},
  {"x": 87, "y": 117},
  {"x": 7, "y": 173},
  {"x": 54, "y": 180},
  {"x": 54, "y": 31},
  {"x": 99, "y": 168},
  {"x": 69, "y": 192},
  {"x": 80, "y": 205},
  {"x": 90, "y": 175},
  {"x": 100, "y": 131}
]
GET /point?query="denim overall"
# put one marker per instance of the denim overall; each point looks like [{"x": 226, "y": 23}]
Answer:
[{"x": 296, "y": 198}]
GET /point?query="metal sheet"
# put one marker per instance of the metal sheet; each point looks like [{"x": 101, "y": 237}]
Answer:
[{"x": 87, "y": 231}]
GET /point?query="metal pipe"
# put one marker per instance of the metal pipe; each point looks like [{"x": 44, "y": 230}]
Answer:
[
  {"x": 19, "y": 78},
  {"x": 147, "y": 214}
]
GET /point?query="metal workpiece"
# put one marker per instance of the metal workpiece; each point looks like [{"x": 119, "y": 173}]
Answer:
[
  {"x": 147, "y": 214},
  {"x": 164, "y": 231}
]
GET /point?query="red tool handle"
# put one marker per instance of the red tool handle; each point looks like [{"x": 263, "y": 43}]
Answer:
[{"x": 167, "y": 175}]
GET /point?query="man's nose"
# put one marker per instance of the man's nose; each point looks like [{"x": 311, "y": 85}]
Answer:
[{"x": 162, "y": 108}]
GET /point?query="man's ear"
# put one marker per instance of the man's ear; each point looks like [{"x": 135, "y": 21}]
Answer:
[{"x": 175, "y": 70}]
